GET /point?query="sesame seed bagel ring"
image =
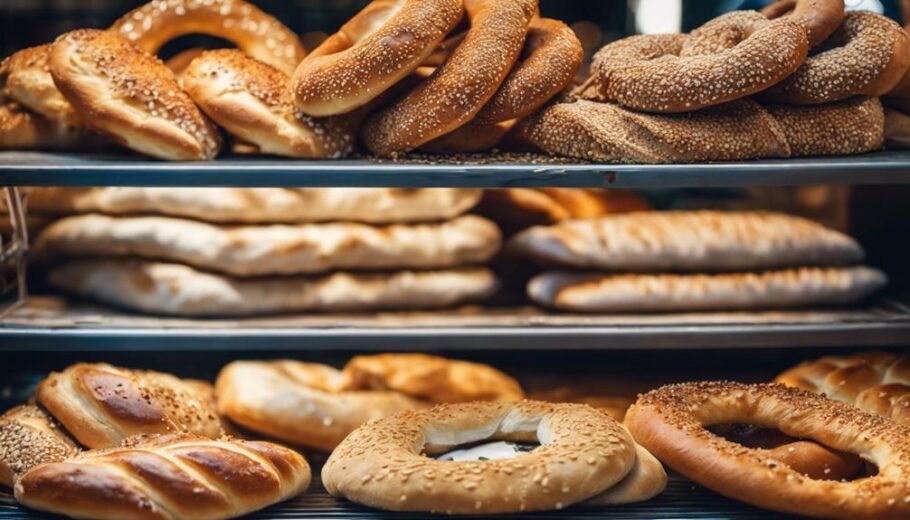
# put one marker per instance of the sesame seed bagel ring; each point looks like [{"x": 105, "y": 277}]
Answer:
[
  {"x": 382, "y": 464},
  {"x": 256, "y": 33},
  {"x": 819, "y": 17},
  {"x": 376, "y": 49},
  {"x": 253, "y": 101},
  {"x": 131, "y": 96},
  {"x": 461, "y": 86},
  {"x": 867, "y": 56},
  {"x": 652, "y": 73},
  {"x": 671, "y": 421},
  {"x": 549, "y": 61},
  {"x": 27, "y": 81}
]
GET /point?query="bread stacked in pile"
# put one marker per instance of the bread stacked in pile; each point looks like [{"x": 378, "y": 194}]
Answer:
[
  {"x": 695, "y": 261},
  {"x": 241, "y": 252}
]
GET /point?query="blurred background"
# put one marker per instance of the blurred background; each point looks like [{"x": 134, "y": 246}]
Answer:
[{"x": 31, "y": 22}]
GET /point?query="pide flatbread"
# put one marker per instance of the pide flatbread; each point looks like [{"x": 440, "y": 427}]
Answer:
[
  {"x": 594, "y": 292},
  {"x": 689, "y": 241},
  {"x": 172, "y": 289},
  {"x": 262, "y": 205},
  {"x": 275, "y": 249}
]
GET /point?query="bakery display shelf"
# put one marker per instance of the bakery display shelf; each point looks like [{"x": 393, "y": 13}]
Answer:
[
  {"x": 55, "y": 324},
  {"x": 682, "y": 500},
  {"x": 54, "y": 169}
]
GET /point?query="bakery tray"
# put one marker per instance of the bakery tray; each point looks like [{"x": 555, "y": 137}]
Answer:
[
  {"x": 682, "y": 500},
  {"x": 50, "y": 169},
  {"x": 55, "y": 324}
]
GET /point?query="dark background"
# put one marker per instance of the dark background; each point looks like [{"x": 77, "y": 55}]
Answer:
[{"x": 25, "y": 23}]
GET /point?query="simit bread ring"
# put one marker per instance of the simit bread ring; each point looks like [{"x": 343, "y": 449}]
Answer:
[
  {"x": 868, "y": 55},
  {"x": 461, "y": 86},
  {"x": 253, "y": 101},
  {"x": 819, "y": 17},
  {"x": 377, "y": 48},
  {"x": 131, "y": 96},
  {"x": 253, "y": 31},
  {"x": 671, "y": 421},
  {"x": 656, "y": 73},
  {"x": 551, "y": 57},
  {"x": 28, "y": 81},
  {"x": 583, "y": 453}
]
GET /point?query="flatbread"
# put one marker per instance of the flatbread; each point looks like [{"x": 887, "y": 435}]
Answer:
[
  {"x": 688, "y": 241},
  {"x": 275, "y": 249},
  {"x": 172, "y": 289},
  {"x": 805, "y": 287},
  {"x": 262, "y": 205}
]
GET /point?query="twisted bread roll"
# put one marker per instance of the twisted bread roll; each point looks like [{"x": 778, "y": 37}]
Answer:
[
  {"x": 253, "y": 101},
  {"x": 256, "y": 33},
  {"x": 131, "y": 96},
  {"x": 30, "y": 437},
  {"x": 167, "y": 477},
  {"x": 101, "y": 405},
  {"x": 739, "y": 130},
  {"x": 876, "y": 382}
]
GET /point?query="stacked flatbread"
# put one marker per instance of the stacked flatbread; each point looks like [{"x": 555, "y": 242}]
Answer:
[
  {"x": 243, "y": 252},
  {"x": 695, "y": 261}
]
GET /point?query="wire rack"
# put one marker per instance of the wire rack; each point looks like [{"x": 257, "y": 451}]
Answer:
[{"x": 13, "y": 251}]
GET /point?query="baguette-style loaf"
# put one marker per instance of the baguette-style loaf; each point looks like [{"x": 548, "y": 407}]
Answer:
[
  {"x": 29, "y": 437},
  {"x": 101, "y": 405},
  {"x": 167, "y": 477},
  {"x": 876, "y": 382}
]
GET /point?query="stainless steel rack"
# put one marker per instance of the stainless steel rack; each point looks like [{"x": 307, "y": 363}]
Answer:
[
  {"x": 50, "y": 169},
  {"x": 53, "y": 324}
]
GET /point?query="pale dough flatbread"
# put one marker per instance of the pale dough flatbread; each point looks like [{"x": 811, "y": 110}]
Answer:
[
  {"x": 262, "y": 205},
  {"x": 173, "y": 289},
  {"x": 691, "y": 241},
  {"x": 275, "y": 249},
  {"x": 805, "y": 287}
]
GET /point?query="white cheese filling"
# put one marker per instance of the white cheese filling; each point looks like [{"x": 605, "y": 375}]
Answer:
[{"x": 491, "y": 451}]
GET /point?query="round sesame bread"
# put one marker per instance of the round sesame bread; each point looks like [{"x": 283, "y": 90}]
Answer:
[
  {"x": 256, "y": 33},
  {"x": 376, "y": 49},
  {"x": 667, "y": 74},
  {"x": 131, "y": 96},
  {"x": 470, "y": 138},
  {"x": 253, "y": 101},
  {"x": 671, "y": 421},
  {"x": 549, "y": 61},
  {"x": 386, "y": 463},
  {"x": 853, "y": 126},
  {"x": 26, "y": 78},
  {"x": 30, "y": 437},
  {"x": 868, "y": 55},
  {"x": 454, "y": 94},
  {"x": 819, "y": 17}
]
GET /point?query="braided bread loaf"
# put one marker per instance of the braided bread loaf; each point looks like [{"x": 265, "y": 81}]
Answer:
[
  {"x": 169, "y": 476},
  {"x": 876, "y": 382}
]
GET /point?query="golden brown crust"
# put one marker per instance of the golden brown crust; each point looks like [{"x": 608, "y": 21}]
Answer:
[
  {"x": 167, "y": 477},
  {"x": 23, "y": 130},
  {"x": 372, "y": 52},
  {"x": 461, "y": 86},
  {"x": 849, "y": 127},
  {"x": 670, "y": 422},
  {"x": 819, "y": 17},
  {"x": 26, "y": 77},
  {"x": 654, "y": 73},
  {"x": 253, "y": 101},
  {"x": 876, "y": 382},
  {"x": 131, "y": 96},
  {"x": 549, "y": 61},
  {"x": 584, "y": 453},
  {"x": 470, "y": 138},
  {"x": 431, "y": 378},
  {"x": 256, "y": 33},
  {"x": 30, "y": 437},
  {"x": 867, "y": 56},
  {"x": 101, "y": 405}
]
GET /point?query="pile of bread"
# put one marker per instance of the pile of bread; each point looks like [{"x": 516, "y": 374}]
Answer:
[
  {"x": 446, "y": 76},
  {"x": 411, "y": 432},
  {"x": 242, "y": 252}
]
